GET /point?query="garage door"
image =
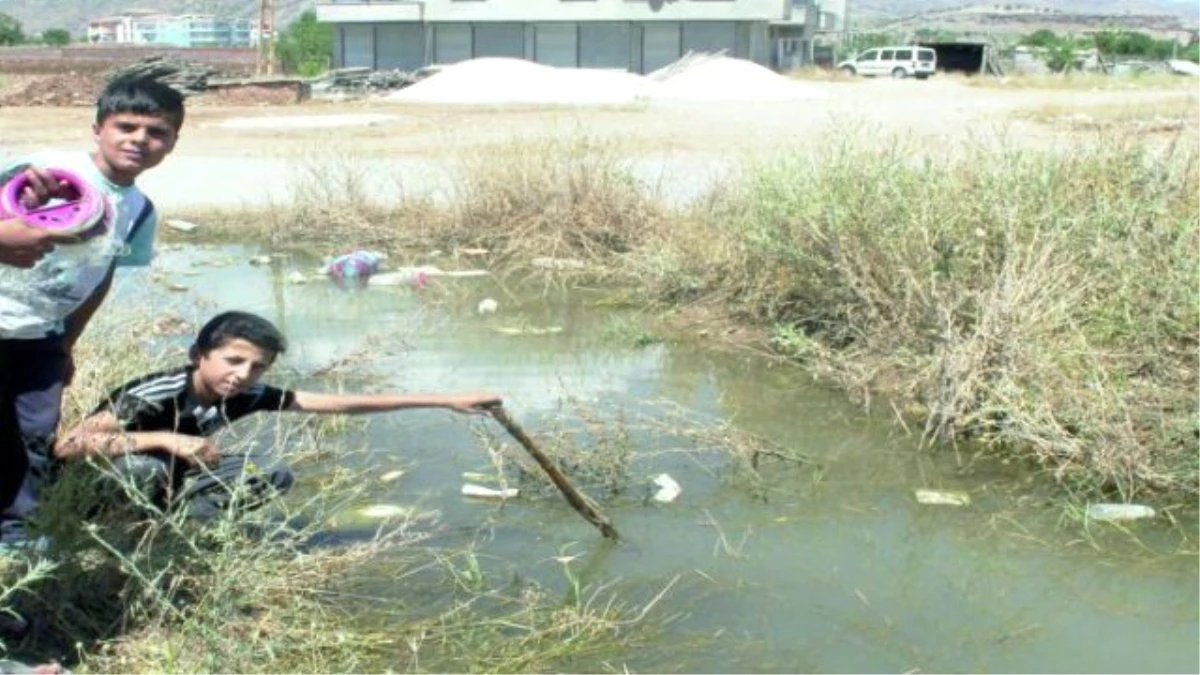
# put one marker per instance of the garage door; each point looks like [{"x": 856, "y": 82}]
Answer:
[
  {"x": 660, "y": 45},
  {"x": 358, "y": 45},
  {"x": 604, "y": 45},
  {"x": 500, "y": 39},
  {"x": 451, "y": 42},
  {"x": 710, "y": 36},
  {"x": 555, "y": 44},
  {"x": 400, "y": 45}
]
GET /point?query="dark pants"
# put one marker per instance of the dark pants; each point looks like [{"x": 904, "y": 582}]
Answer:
[
  {"x": 240, "y": 482},
  {"x": 31, "y": 388}
]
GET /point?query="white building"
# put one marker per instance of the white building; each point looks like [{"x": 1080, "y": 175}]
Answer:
[
  {"x": 183, "y": 30},
  {"x": 636, "y": 35}
]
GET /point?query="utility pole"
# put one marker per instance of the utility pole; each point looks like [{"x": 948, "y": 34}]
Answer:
[{"x": 265, "y": 64}]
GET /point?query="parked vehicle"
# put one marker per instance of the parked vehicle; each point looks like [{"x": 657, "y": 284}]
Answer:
[{"x": 898, "y": 62}]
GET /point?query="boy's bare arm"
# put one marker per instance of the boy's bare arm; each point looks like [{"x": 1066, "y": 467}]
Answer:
[
  {"x": 102, "y": 434},
  {"x": 306, "y": 401}
]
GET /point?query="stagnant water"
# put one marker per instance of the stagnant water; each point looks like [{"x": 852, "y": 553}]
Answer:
[{"x": 830, "y": 565}]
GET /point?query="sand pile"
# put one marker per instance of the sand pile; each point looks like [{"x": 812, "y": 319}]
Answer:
[
  {"x": 713, "y": 77},
  {"x": 500, "y": 80}
]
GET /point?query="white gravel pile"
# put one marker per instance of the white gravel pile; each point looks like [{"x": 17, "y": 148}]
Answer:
[
  {"x": 500, "y": 80},
  {"x": 703, "y": 77},
  {"x": 695, "y": 77}
]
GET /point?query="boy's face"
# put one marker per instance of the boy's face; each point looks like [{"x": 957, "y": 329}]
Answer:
[
  {"x": 129, "y": 143},
  {"x": 232, "y": 368}
]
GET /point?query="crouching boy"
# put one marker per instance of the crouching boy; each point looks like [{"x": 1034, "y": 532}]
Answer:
[{"x": 155, "y": 428}]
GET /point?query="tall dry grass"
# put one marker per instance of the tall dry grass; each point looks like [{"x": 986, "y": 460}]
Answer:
[{"x": 1039, "y": 302}]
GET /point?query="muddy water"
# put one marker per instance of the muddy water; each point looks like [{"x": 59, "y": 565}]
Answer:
[{"x": 827, "y": 566}]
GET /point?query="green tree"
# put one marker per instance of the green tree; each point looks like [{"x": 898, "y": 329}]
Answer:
[
  {"x": 305, "y": 46},
  {"x": 1041, "y": 38},
  {"x": 10, "y": 31},
  {"x": 57, "y": 37}
]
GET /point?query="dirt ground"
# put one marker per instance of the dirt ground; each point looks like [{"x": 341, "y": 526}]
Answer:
[{"x": 409, "y": 145}]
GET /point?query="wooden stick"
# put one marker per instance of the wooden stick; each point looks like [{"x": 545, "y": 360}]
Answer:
[{"x": 578, "y": 500}]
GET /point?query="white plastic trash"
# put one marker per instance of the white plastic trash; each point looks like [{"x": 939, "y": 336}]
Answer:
[
  {"x": 488, "y": 306},
  {"x": 391, "y": 476},
  {"x": 668, "y": 489},
  {"x": 473, "y": 490},
  {"x": 384, "y": 511},
  {"x": 1116, "y": 512},
  {"x": 943, "y": 497}
]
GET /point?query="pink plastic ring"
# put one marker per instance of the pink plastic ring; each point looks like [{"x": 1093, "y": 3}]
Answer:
[{"x": 75, "y": 216}]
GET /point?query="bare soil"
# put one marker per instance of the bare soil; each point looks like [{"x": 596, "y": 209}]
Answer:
[{"x": 219, "y": 166}]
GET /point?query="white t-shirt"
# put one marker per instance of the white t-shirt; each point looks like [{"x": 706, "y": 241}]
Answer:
[{"x": 75, "y": 280}]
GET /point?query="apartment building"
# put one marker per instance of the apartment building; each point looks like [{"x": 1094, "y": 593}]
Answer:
[
  {"x": 184, "y": 30},
  {"x": 634, "y": 35}
]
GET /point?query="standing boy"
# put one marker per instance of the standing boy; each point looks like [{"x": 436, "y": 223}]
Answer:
[
  {"x": 136, "y": 126},
  {"x": 155, "y": 428}
]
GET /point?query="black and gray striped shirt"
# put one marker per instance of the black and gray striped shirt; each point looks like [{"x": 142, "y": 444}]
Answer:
[{"x": 165, "y": 401}]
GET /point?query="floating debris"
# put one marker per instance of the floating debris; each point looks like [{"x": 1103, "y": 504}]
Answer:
[
  {"x": 557, "y": 263},
  {"x": 527, "y": 330},
  {"x": 391, "y": 476},
  {"x": 472, "y": 490},
  {"x": 261, "y": 260},
  {"x": 384, "y": 511},
  {"x": 943, "y": 497},
  {"x": 668, "y": 489},
  {"x": 488, "y": 306},
  {"x": 1118, "y": 512}
]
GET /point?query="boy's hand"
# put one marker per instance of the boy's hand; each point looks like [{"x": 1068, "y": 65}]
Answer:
[
  {"x": 41, "y": 187},
  {"x": 195, "y": 450},
  {"x": 474, "y": 403},
  {"x": 23, "y": 246}
]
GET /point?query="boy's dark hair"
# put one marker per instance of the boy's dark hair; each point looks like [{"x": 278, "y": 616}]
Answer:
[
  {"x": 228, "y": 326},
  {"x": 140, "y": 96}
]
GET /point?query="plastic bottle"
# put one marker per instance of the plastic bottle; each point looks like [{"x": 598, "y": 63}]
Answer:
[{"x": 85, "y": 214}]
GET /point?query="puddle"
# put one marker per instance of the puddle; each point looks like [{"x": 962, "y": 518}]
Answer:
[{"x": 830, "y": 566}]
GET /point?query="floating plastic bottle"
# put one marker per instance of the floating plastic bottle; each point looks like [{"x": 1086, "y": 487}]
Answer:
[
  {"x": 46, "y": 288},
  {"x": 1118, "y": 512}
]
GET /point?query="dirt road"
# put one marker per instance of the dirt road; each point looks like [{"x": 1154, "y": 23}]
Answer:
[{"x": 238, "y": 156}]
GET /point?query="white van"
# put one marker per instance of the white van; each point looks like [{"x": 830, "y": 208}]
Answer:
[{"x": 906, "y": 61}]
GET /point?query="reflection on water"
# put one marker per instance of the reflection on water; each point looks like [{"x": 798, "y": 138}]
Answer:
[{"x": 830, "y": 566}]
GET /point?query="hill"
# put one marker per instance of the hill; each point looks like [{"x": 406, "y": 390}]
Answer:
[
  {"x": 73, "y": 15},
  {"x": 1156, "y": 16}
]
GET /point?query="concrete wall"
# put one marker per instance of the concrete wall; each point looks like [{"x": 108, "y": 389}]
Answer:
[{"x": 348, "y": 11}]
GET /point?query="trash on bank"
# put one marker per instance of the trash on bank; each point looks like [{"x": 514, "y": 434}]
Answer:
[
  {"x": 260, "y": 260},
  {"x": 180, "y": 225},
  {"x": 668, "y": 489},
  {"x": 354, "y": 267},
  {"x": 943, "y": 497},
  {"x": 472, "y": 490},
  {"x": 1118, "y": 512},
  {"x": 296, "y": 277}
]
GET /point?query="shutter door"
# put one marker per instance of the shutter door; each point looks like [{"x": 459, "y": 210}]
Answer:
[
  {"x": 400, "y": 45},
  {"x": 556, "y": 44},
  {"x": 710, "y": 36},
  {"x": 604, "y": 45},
  {"x": 499, "y": 39},
  {"x": 451, "y": 42},
  {"x": 660, "y": 45},
  {"x": 358, "y": 45}
]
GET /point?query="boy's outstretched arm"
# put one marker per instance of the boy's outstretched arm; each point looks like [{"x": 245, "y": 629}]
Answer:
[
  {"x": 102, "y": 434},
  {"x": 471, "y": 403}
]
